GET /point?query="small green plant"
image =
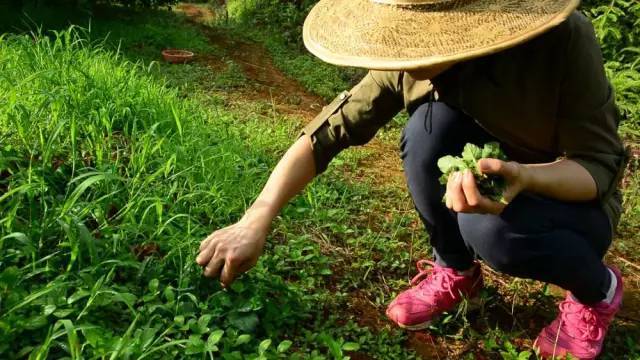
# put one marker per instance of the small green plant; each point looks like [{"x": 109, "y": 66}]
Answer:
[
  {"x": 490, "y": 186},
  {"x": 497, "y": 342}
]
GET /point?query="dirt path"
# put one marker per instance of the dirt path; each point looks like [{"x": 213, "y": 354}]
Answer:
[
  {"x": 268, "y": 83},
  {"x": 288, "y": 96}
]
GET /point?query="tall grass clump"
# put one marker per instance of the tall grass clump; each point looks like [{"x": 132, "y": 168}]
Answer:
[{"x": 108, "y": 180}]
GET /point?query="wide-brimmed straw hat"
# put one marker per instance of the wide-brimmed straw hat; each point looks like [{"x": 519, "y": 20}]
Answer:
[{"x": 413, "y": 34}]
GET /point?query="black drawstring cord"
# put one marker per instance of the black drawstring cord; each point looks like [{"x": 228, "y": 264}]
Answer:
[{"x": 428, "y": 119}]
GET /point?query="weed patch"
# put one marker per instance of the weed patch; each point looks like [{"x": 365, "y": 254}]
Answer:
[{"x": 110, "y": 181}]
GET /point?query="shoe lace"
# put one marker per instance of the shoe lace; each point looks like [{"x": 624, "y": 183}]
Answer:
[
  {"x": 582, "y": 321},
  {"x": 438, "y": 278}
]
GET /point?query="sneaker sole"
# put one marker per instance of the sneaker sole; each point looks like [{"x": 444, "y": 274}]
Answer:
[
  {"x": 417, "y": 327},
  {"x": 472, "y": 304}
]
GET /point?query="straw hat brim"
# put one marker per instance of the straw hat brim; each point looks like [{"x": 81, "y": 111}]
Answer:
[{"x": 363, "y": 33}]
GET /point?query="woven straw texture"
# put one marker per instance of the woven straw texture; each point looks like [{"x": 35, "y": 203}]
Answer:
[{"x": 374, "y": 34}]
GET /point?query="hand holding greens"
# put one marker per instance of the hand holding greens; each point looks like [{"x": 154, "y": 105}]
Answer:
[{"x": 491, "y": 186}]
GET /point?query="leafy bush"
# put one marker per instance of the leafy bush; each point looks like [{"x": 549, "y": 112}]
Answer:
[
  {"x": 282, "y": 17},
  {"x": 616, "y": 23}
]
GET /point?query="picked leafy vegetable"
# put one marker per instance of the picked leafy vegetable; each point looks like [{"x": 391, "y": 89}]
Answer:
[{"x": 491, "y": 186}]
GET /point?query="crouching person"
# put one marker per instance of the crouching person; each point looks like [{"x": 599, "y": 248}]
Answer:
[{"x": 527, "y": 74}]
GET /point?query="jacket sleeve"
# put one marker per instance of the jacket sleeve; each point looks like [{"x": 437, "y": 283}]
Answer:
[
  {"x": 587, "y": 130},
  {"x": 355, "y": 116}
]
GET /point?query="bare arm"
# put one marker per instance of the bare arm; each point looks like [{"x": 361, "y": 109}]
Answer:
[
  {"x": 352, "y": 118},
  {"x": 228, "y": 252},
  {"x": 564, "y": 180},
  {"x": 295, "y": 170}
]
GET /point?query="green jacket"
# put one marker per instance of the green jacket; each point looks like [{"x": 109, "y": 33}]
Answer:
[{"x": 545, "y": 99}]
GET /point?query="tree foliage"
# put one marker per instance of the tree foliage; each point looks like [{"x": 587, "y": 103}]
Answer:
[{"x": 88, "y": 4}]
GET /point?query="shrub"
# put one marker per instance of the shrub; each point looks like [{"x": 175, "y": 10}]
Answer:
[
  {"x": 282, "y": 17},
  {"x": 617, "y": 24}
]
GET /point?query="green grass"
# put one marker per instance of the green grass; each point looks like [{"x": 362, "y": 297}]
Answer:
[
  {"x": 110, "y": 180},
  {"x": 139, "y": 35}
]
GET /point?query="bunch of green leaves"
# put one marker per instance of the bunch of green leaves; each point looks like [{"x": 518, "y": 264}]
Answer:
[{"x": 491, "y": 186}]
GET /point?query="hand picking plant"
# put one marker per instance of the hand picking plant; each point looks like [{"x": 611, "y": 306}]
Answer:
[{"x": 491, "y": 186}]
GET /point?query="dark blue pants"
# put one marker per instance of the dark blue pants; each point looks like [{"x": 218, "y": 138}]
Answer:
[{"x": 562, "y": 243}]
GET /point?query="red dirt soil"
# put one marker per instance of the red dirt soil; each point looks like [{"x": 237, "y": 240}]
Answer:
[{"x": 268, "y": 83}]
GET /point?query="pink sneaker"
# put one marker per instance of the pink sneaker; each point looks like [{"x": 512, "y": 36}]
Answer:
[
  {"x": 579, "y": 330},
  {"x": 441, "y": 290}
]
